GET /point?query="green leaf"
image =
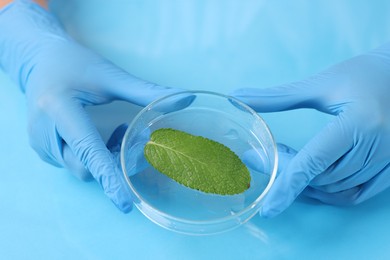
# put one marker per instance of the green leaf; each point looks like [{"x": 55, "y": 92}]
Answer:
[{"x": 197, "y": 162}]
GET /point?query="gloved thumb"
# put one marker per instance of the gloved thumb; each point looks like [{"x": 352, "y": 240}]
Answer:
[
  {"x": 308, "y": 93},
  {"x": 122, "y": 85}
]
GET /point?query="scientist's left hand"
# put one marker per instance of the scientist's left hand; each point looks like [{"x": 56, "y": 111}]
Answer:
[
  {"x": 61, "y": 77},
  {"x": 347, "y": 162}
]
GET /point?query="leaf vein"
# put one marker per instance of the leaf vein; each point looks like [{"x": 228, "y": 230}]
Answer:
[{"x": 177, "y": 152}]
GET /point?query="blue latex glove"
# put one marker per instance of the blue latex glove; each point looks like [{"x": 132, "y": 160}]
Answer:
[
  {"x": 348, "y": 161},
  {"x": 60, "y": 77}
]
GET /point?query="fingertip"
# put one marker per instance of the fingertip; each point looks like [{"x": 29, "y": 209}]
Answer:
[
  {"x": 276, "y": 201},
  {"x": 267, "y": 213},
  {"x": 175, "y": 102},
  {"x": 249, "y": 96},
  {"x": 127, "y": 208},
  {"x": 116, "y": 189},
  {"x": 121, "y": 199},
  {"x": 287, "y": 186},
  {"x": 286, "y": 149},
  {"x": 256, "y": 159}
]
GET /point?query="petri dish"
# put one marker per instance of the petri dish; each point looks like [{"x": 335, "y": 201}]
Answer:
[{"x": 215, "y": 116}]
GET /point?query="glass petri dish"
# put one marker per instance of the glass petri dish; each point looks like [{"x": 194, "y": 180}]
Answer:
[{"x": 215, "y": 116}]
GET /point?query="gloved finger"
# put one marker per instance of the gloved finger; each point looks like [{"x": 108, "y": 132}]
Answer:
[
  {"x": 78, "y": 131},
  {"x": 349, "y": 164},
  {"x": 74, "y": 165},
  {"x": 44, "y": 139},
  {"x": 114, "y": 143},
  {"x": 341, "y": 198},
  {"x": 133, "y": 160},
  {"x": 355, "y": 195},
  {"x": 352, "y": 168},
  {"x": 115, "y": 140},
  {"x": 285, "y": 154},
  {"x": 307, "y": 93},
  {"x": 356, "y": 179},
  {"x": 257, "y": 159},
  {"x": 174, "y": 102},
  {"x": 316, "y": 156},
  {"x": 123, "y": 86}
]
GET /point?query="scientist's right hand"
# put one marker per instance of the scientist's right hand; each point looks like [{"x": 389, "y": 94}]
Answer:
[
  {"x": 60, "y": 77},
  {"x": 348, "y": 161}
]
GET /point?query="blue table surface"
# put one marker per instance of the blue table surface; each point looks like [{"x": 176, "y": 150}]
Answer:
[{"x": 46, "y": 213}]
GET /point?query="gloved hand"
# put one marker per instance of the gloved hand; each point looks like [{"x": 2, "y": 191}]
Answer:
[
  {"x": 348, "y": 161},
  {"x": 60, "y": 77}
]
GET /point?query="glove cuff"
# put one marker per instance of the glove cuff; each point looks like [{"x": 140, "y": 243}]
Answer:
[{"x": 25, "y": 30}]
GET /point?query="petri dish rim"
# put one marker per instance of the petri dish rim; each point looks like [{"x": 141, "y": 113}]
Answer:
[{"x": 232, "y": 217}]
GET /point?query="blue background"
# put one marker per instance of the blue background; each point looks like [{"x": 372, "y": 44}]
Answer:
[{"x": 46, "y": 213}]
